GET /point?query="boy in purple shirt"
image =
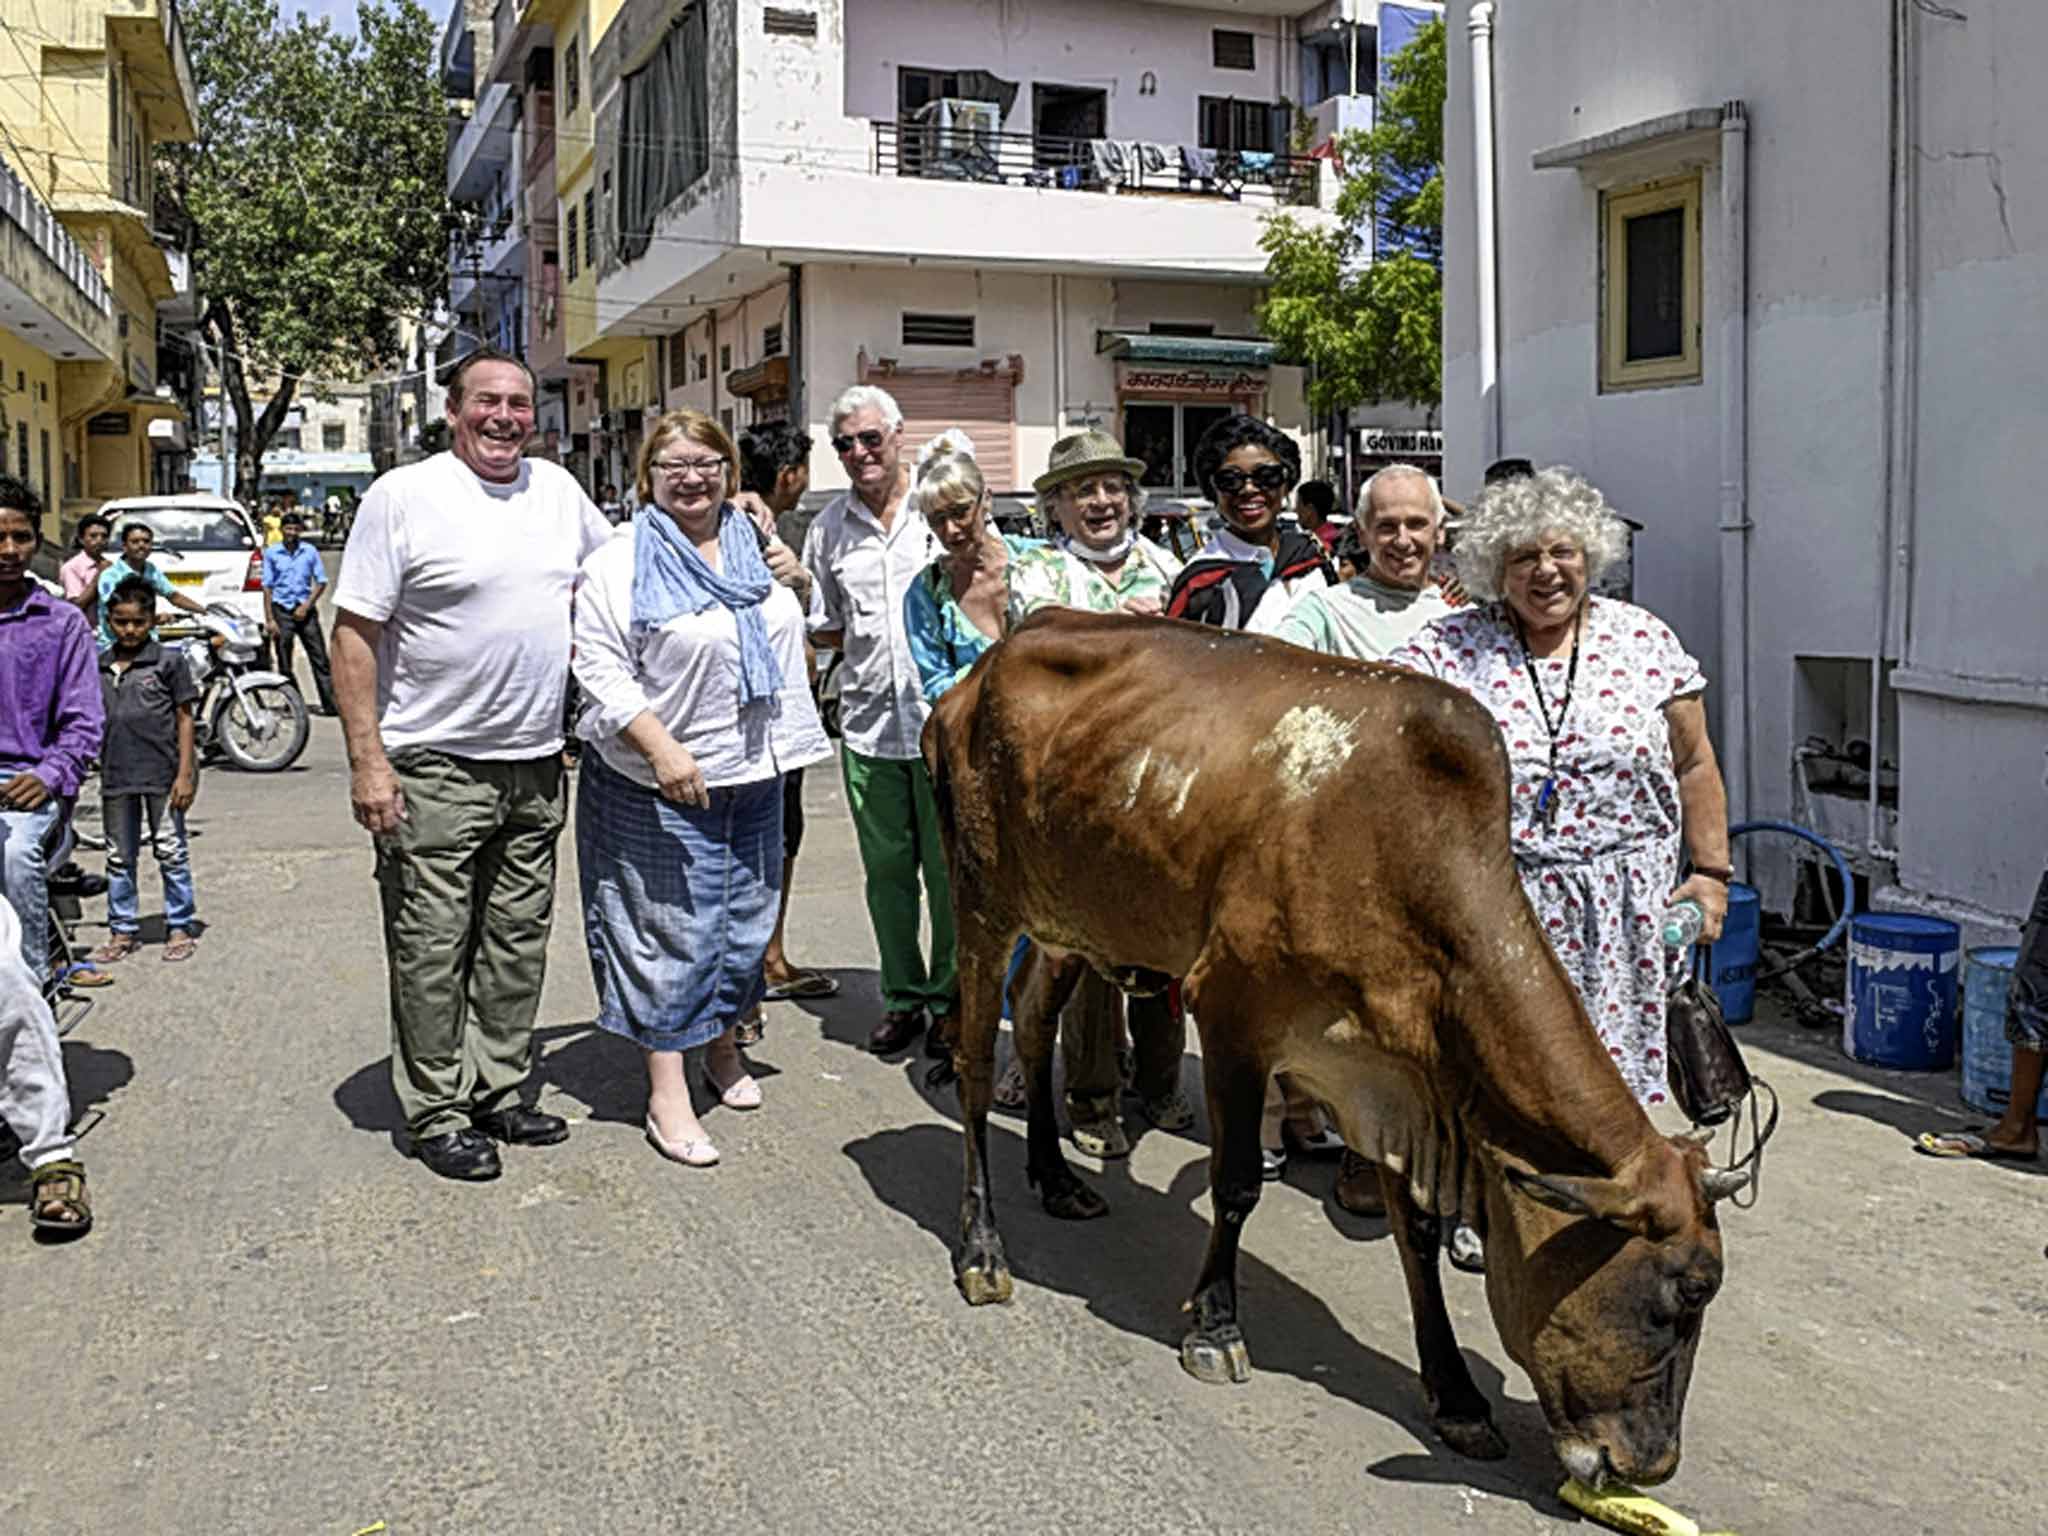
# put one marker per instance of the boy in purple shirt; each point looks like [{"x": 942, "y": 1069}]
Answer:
[{"x": 50, "y": 728}]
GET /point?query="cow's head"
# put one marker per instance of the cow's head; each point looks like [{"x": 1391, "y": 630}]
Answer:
[{"x": 1598, "y": 1286}]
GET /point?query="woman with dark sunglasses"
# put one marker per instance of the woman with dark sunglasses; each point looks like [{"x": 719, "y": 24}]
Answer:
[{"x": 1252, "y": 568}]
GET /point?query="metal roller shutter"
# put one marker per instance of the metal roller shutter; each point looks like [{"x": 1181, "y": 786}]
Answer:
[{"x": 981, "y": 405}]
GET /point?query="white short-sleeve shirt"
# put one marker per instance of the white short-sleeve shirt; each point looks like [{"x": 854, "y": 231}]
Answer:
[
  {"x": 471, "y": 580},
  {"x": 688, "y": 672}
]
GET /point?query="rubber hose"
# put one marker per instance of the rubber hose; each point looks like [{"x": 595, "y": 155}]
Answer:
[{"x": 1834, "y": 934}]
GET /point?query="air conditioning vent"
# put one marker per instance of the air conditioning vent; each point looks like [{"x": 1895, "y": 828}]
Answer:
[
  {"x": 1233, "y": 50},
  {"x": 780, "y": 21},
  {"x": 938, "y": 330}
]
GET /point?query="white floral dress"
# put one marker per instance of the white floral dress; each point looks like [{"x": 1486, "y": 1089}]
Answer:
[{"x": 1600, "y": 867}]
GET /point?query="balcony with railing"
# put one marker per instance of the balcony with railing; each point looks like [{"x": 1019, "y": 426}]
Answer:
[
  {"x": 1120, "y": 167},
  {"x": 48, "y": 284}
]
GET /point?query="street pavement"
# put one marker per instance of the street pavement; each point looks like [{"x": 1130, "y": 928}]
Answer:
[{"x": 282, "y": 1325}]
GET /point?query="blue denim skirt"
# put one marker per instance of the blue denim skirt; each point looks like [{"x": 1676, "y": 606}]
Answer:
[{"x": 678, "y": 903}]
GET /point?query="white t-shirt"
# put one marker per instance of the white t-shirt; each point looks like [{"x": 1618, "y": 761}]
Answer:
[{"x": 471, "y": 581}]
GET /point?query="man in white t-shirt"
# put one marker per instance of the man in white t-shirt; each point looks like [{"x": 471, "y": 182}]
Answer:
[
  {"x": 1371, "y": 616},
  {"x": 451, "y": 656}
]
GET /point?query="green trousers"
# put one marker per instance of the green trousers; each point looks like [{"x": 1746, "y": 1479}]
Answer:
[
  {"x": 468, "y": 886},
  {"x": 896, "y": 822}
]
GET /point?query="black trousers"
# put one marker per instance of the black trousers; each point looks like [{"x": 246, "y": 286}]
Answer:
[{"x": 307, "y": 629}]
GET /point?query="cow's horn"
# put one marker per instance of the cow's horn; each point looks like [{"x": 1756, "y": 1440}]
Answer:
[
  {"x": 1698, "y": 1136},
  {"x": 1722, "y": 1182}
]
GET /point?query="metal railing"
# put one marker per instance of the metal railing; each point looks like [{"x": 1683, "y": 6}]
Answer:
[{"x": 935, "y": 153}]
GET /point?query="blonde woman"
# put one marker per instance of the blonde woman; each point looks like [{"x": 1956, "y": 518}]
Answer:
[
  {"x": 959, "y": 606},
  {"x": 690, "y": 654}
]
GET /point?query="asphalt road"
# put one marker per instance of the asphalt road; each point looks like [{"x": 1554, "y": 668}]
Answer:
[{"x": 281, "y": 1325}]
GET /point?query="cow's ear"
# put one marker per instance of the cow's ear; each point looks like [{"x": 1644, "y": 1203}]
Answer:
[{"x": 1607, "y": 1200}]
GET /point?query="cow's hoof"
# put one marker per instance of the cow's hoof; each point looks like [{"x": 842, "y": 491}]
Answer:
[
  {"x": 1069, "y": 1199},
  {"x": 1476, "y": 1438},
  {"x": 982, "y": 1284},
  {"x": 1218, "y": 1358}
]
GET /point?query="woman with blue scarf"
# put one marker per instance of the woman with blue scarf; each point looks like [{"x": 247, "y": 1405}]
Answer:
[{"x": 690, "y": 655}]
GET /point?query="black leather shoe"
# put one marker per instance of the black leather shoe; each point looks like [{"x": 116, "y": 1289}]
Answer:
[
  {"x": 898, "y": 1028},
  {"x": 519, "y": 1126},
  {"x": 459, "y": 1155}
]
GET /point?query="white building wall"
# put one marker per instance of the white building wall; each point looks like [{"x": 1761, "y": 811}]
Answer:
[{"x": 1815, "y": 80}]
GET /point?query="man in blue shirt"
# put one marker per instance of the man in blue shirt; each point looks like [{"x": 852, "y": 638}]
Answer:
[
  {"x": 137, "y": 541},
  {"x": 293, "y": 579}
]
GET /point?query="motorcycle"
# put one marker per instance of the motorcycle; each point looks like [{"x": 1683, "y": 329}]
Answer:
[{"x": 256, "y": 719}]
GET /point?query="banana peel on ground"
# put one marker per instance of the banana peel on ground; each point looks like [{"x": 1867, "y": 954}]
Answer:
[{"x": 1621, "y": 1508}]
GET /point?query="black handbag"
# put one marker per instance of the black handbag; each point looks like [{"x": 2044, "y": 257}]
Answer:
[{"x": 1708, "y": 1076}]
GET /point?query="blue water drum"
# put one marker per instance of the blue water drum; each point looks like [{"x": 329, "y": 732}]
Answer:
[
  {"x": 1903, "y": 986},
  {"x": 1731, "y": 963},
  {"x": 1987, "y": 1057}
]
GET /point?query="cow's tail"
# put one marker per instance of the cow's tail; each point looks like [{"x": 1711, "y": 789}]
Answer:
[{"x": 937, "y": 767}]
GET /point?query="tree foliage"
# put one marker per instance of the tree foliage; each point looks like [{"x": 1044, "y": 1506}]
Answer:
[
  {"x": 314, "y": 194},
  {"x": 1369, "y": 320}
]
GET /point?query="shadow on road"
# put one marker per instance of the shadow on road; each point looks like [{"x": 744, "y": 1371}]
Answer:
[
  {"x": 846, "y": 1018},
  {"x": 94, "y": 1076},
  {"x": 1909, "y": 1120},
  {"x": 1134, "y": 1269}
]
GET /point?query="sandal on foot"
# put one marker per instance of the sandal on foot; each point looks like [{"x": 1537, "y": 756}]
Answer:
[
  {"x": 116, "y": 949},
  {"x": 179, "y": 946},
  {"x": 804, "y": 984},
  {"x": 1967, "y": 1144},
  {"x": 57, "y": 1201},
  {"x": 87, "y": 976}
]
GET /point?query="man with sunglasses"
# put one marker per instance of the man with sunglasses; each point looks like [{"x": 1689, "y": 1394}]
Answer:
[{"x": 864, "y": 552}]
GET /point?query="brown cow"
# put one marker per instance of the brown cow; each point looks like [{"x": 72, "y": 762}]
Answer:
[{"x": 1320, "y": 847}]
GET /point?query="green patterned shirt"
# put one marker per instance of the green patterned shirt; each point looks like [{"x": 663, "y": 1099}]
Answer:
[{"x": 1050, "y": 577}]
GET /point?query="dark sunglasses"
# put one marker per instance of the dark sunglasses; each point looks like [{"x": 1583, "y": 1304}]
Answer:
[
  {"x": 1267, "y": 477},
  {"x": 870, "y": 440}
]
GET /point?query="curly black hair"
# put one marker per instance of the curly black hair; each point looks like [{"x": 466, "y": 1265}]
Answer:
[
  {"x": 19, "y": 496},
  {"x": 1236, "y": 431}
]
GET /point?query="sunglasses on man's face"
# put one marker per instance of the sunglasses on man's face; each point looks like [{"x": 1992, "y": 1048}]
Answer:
[
  {"x": 1267, "y": 477},
  {"x": 871, "y": 440}
]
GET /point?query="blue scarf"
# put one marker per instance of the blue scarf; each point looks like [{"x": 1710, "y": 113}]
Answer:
[{"x": 670, "y": 577}]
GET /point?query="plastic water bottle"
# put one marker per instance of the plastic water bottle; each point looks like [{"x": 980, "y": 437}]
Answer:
[{"x": 1683, "y": 924}]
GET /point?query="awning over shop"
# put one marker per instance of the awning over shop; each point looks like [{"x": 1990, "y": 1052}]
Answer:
[{"x": 1225, "y": 351}]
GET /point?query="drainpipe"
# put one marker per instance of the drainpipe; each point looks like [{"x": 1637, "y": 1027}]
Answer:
[
  {"x": 1901, "y": 347},
  {"x": 1735, "y": 523},
  {"x": 1479, "y": 24},
  {"x": 1059, "y": 354},
  {"x": 793, "y": 348}
]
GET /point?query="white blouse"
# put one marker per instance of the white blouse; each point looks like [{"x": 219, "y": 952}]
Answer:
[{"x": 688, "y": 673}]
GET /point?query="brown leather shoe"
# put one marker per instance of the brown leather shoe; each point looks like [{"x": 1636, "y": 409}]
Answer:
[
  {"x": 1358, "y": 1186},
  {"x": 898, "y": 1028}
]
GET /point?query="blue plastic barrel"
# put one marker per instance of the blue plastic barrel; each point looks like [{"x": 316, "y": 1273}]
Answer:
[
  {"x": 1987, "y": 1057},
  {"x": 1903, "y": 991},
  {"x": 1731, "y": 963}
]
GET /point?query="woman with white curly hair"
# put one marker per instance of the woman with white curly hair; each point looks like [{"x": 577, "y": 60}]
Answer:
[{"x": 1601, "y": 711}]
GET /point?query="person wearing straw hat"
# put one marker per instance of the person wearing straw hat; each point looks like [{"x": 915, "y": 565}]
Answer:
[{"x": 1098, "y": 561}]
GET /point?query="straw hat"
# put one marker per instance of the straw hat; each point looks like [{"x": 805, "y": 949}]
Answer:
[{"x": 1085, "y": 453}]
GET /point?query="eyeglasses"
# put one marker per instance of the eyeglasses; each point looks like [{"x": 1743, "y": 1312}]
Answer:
[
  {"x": 871, "y": 439},
  {"x": 1267, "y": 477},
  {"x": 685, "y": 469}
]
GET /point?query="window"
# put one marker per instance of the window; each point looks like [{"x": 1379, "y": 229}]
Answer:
[
  {"x": 569, "y": 222},
  {"x": 610, "y": 214},
  {"x": 1650, "y": 286},
  {"x": 48, "y": 491},
  {"x": 572, "y": 72},
  {"x": 589, "y": 228},
  {"x": 1164, "y": 435},
  {"x": 21, "y": 451},
  {"x": 679, "y": 359},
  {"x": 703, "y": 366},
  {"x": 333, "y": 436},
  {"x": 288, "y": 439},
  {"x": 938, "y": 330},
  {"x": 1224, "y": 122},
  {"x": 663, "y": 134},
  {"x": 771, "y": 340},
  {"x": 1233, "y": 50},
  {"x": 780, "y": 21},
  {"x": 725, "y": 359}
]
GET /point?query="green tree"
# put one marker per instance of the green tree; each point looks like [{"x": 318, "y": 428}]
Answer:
[
  {"x": 1368, "y": 320},
  {"x": 314, "y": 197}
]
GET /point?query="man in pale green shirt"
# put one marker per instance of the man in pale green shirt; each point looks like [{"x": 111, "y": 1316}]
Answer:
[{"x": 1372, "y": 615}]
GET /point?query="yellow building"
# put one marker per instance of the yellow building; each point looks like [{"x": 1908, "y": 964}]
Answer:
[{"x": 88, "y": 91}]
